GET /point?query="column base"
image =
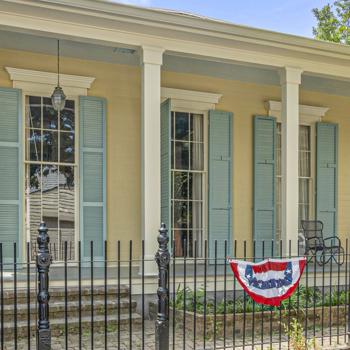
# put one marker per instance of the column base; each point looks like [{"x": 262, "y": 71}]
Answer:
[{"x": 150, "y": 266}]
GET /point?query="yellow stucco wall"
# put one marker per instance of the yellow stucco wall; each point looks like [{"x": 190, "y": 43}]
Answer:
[{"x": 121, "y": 84}]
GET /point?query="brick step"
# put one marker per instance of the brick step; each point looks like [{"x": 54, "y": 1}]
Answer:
[
  {"x": 58, "y": 325},
  {"x": 57, "y": 294},
  {"x": 57, "y": 309}
]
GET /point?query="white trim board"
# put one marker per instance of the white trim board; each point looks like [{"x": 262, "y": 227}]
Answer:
[
  {"x": 197, "y": 100},
  {"x": 307, "y": 114},
  {"x": 39, "y": 81},
  {"x": 117, "y": 25}
]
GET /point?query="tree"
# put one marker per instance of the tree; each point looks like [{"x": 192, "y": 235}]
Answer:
[{"x": 333, "y": 22}]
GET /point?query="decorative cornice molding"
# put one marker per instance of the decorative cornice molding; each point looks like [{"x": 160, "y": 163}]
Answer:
[
  {"x": 48, "y": 78},
  {"x": 307, "y": 114},
  {"x": 196, "y": 100},
  {"x": 190, "y": 95}
]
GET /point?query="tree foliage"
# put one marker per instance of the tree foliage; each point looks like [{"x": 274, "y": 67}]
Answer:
[{"x": 333, "y": 22}]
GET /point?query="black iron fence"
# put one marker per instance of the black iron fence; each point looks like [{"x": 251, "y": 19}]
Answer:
[{"x": 192, "y": 302}]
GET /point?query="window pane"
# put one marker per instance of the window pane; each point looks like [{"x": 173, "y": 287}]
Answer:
[
  {"x": 33, "y": 112},
  {"x": 172, "y": 125},
  {"x": 50, "y": 196},
  {"x": 278, "y": 150},
  {"x": 34, "y": 145},
  {"x": 195, "y": 186},
  {"x": 304, "y": 138},
  {"x": 67, "y": 208},
  {"x": 33, "y": 202},
  {"x": 279, "y": 190},
  {"x": 180, "y": 218},
  {"x": 172, "y": 151},
  {"x": 279, "y": 135},
  {"x": 180, "y": 185},
  {"x": 304, "y": 164},
  {"x": 278, "y": 162},
  {"x": 67, "y": 116},
  {"x": 181, "y": 155},
  {"x": 197, "y": 127},
  {"x": 181, "y": 126},
  {"x": 304, "y": 191},
  {"x": 195, "y": 215},
  {"x": 179, "y": 236},
  {"x": 197, "y": 156},
  {"x": 50, "y": 120},
  {"x": 303, "y": 213},
  {"x": 50, "y": 146},
  {"x": 67, "y": 147}
]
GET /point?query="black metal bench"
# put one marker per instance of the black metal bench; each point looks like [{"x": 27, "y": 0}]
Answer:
[{"x": 320, "y": 248}]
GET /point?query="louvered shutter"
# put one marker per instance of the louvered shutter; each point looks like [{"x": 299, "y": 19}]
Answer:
[
  {"x": 165, "y": 163},
  {"x": 264, "y": 215},
  {"x": 220, "y": 183},
  {"x": 92, "y": 174},
  {"x": 11, "y": 170},
  {"x": 326, "y": 176}
]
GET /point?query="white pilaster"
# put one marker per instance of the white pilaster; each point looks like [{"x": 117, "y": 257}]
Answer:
[
  {"x": 151, "y": 61},
  {"x": 290, "y": 81}
]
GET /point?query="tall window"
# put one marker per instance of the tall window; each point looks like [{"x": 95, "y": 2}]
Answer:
[
  {"x": 305, "y": 176},
  {"x": 187, "y": 181},
  {"x": 50, "y": 173}
]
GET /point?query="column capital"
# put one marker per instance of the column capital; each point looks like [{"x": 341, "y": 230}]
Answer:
[
  {"x": 290, "y": 75},
  {"x": 152, "y": 55}
]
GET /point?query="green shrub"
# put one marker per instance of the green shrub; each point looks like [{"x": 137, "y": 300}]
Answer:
[{"x": 303, "y": 296}]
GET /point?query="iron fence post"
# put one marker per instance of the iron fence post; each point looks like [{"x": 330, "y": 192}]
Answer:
[
  {"x": 163, "y": 259},
  {"x": 43, "y": 261}
]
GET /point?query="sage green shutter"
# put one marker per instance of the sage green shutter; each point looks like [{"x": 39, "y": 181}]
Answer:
[
  {"x": 326, "y": 177},
  {"x": 165, "y": 163},
  {"x": 11, "y": 193},
  {"x": 220, "y": 182},
  {"x": 264, "y": 216},
  {"x": 92, "y": 174}
]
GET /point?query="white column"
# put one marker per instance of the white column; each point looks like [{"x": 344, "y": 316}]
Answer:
[
  {"x": 151, "y": 61},
  {"x": 290, "y": 81}
]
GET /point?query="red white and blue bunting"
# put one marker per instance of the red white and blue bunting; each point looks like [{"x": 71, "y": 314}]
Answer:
[{"x": 270, "y": 281}]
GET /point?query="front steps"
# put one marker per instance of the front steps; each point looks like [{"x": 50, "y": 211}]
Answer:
[{"x": 15, "y": 317}]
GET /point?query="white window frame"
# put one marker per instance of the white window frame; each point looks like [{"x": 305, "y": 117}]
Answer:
[
  {"x": 196, "y": 102},
  {"x": 40, "y": 83},
  {"x": 204, "y": 172},
  {"x": 75, "y": 165}
]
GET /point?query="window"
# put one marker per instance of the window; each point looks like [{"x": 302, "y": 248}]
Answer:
[
  {"x": 305, "y": 176},
  {"x": 50, "y": 173},
  {"x": 188, "y": 178}
]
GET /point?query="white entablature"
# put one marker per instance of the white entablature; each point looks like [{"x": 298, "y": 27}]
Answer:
[{"x": 44, "y": 82}]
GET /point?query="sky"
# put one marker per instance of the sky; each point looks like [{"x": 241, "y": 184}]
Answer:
[{"x": 287, "y": 16}]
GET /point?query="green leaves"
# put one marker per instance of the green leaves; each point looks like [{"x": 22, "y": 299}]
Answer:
[
  {"x": 333, "y": 22},
  {"x": 303, "y": 297}
]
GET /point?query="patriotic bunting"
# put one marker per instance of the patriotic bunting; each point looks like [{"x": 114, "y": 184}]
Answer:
[{"x": 270, "y": 281}]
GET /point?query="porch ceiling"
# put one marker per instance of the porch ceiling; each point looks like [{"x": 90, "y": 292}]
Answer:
[{"x": 172, "y": 62}]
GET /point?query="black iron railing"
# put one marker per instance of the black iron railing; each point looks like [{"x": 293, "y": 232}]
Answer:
[{"x": 189, "y": 302}]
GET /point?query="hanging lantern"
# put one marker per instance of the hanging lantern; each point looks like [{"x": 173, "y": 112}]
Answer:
[{"x": 58, "y": 98}]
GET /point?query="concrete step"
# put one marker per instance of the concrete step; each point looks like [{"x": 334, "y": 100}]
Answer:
[
  {"x": 58, "y": 325},
  {"x": 57, "y": 309},
  {"x": 58, "y": 294}
]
